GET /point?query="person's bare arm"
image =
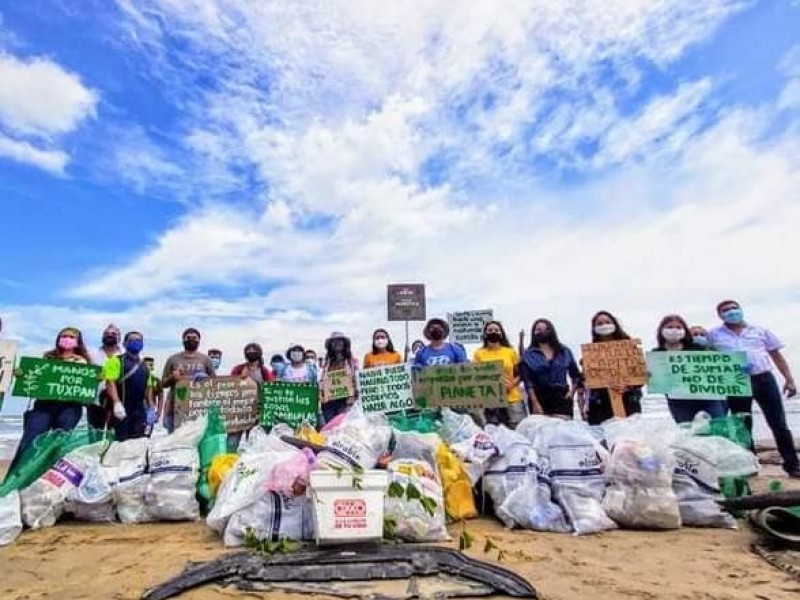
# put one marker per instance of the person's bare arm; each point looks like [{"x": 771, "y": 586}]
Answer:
[{"x": 789, "y": 387}]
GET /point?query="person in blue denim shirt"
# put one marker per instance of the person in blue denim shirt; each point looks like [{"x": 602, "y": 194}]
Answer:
[
  {"x": 546, "y": 365},
  {"x": 674, "y": 335}
]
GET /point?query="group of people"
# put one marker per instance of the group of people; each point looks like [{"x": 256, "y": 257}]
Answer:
[{"x": 543, "y": 377}]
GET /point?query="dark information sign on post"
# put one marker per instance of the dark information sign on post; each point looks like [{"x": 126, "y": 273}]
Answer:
[
  {"x": 406, "y": 302},
  {"x": 290, "y": 403},
  {"x": 56, "y": 380},
  {"x": 237, "y": 399},
  {"x": 465, "y": 386}
]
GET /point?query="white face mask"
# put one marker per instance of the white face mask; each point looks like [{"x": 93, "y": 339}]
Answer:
[
  {"x": 296, "y": 356},
  {"x": 673, "y": 334},
  {"x": 381, "y": 343},
  {"x": 605, "y": 329}
]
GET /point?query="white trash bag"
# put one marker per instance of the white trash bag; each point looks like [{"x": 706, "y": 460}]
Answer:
[
  {"x": 174, "y": 467},
  {"x": 358, "y": 442},
  {"x": 43, "y": 501},
  {"x": 508, "y": 471},
  {"x": 413, "y": 522},
  {"x": 272, "y": 517},
  {"x": 93, "y": 499},
  {"x": 10, "y": 518},
  {"x": 125, "y": 465},
  {"x": 531, "y": 506},
  {"x": 640, "y": 493}
]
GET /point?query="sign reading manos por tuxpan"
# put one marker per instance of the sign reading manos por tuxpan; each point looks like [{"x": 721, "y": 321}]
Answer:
[
  {"x": 467, "y": 327},
  {"x": 56, "y": 380},
  {"x": 237, "y": 399},
  {"x": 386, "y": 389},
  {"x": 698, "y": 375},
  {"x": 464, "y": 386},
  {"x": 290, "y": 403}
]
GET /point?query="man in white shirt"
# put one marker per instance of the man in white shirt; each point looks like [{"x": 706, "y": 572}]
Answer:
[{"x": 763, "y": 349}]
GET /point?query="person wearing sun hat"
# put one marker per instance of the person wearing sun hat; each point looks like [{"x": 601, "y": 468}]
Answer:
[
  {"x": 338, "y": 378},
  {"x": 439, "y": 351}
]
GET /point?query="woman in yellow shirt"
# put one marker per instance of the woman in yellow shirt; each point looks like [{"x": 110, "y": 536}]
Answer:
[
  {"x": 496, "y": 347},
  {"x": 383, "y": 352}
]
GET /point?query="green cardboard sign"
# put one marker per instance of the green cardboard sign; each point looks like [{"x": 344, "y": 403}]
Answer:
[
  {"x": 290, "y": 403},
  {"x": 56, "y": 380},
  {"x": 698, "y": 375},
  {"x": 466, "y": 386}
]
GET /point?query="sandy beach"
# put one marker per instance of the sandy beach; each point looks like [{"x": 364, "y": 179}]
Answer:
[{"x": 77, "y": 560}]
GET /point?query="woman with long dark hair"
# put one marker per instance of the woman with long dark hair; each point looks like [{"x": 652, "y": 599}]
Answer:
[
  {"x": 546, "y": 366},
  {"x": 55, "y": 414},
  {"x": 496, "y": 347},
  {"x": 597, "y": 407},
  {"x": 675, "y": 335},
  {"x": 383, "y": 352}
]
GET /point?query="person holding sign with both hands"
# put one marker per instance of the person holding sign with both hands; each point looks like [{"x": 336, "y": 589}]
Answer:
[
  {"x": 497, "y": 348},
  {"x": 597, "y": 406},
  {"x": 338, "y": 377}
]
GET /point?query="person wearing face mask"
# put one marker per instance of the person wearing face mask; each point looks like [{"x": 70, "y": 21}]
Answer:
[
  {"x": 700, "y": 337},
  {"x": 763, "y": 349},
  {"x": 416, "y": 346},
  {"x": 215, "y": 356},
  {"x": 496, "y": 347},
  {"x": 673, "y": 335},
  {"x": 98, "y": 415},
  {"x": 46, "y": 415},
  {"x": 438, "y": 351},
  {"x": 383, "y": 352},
  {"x": 596, "y": 408},
  {"x": 339, "y": 361},
  {"x": 253, "y": 367},
  {"x": 547, "y": 364},
  {"x": 188, "y": 365},
  {"x": 311, "y": 357},
  {"x": 127, "y": 379},
  {"x": 278, "y": 365},
  {"x": 299, "y": 369}
]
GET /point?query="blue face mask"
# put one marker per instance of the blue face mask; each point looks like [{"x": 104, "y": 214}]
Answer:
[
  {"x": 134, "y": 346},
  {"x": 215, "y": 362},
  {"x": 700, "y": 340},
  {"x": 733, "y": 316},
  {"x": 279, "y": 368}
]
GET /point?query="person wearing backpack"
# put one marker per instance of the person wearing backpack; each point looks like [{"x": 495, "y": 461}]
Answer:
[
  {"x": 127, "y": 383},
  {"x": 254, "y": 366},
  {"x": 439, "y": 351}
]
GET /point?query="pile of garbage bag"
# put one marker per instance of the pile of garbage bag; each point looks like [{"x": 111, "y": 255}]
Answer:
[{"x": 548, "y": 474}]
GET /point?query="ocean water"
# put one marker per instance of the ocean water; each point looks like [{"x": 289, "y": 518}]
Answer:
[{"x": 655, "y": 406}]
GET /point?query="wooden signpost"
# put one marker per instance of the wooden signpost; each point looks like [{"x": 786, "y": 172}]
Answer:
[
  {"x": 464, "y": 386},
  {"x": 614, "y": 365},
  {"x": 237, "y": 399}
]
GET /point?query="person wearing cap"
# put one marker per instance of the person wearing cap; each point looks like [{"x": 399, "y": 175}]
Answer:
[
  {"x": 338, "y": 378},
  {"x": 253, "y": 367},
  {"x": 298, "y": 369},
  {"x": 185, "y": 366},
  {"x": 47, "y": 415},
  {"x": 439, "y": 351},
  {"x": 99, "y": 415},
  {"x": 763, "y": 349}
]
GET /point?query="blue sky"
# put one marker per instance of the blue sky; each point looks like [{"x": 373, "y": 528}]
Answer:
[{"x": 263, "y": 169}]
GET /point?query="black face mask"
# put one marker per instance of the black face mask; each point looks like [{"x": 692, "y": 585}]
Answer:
[
  {"x": 110, "y": 340},
  {"x": 252, "y": 356},
  {"x": 493, "y": 337},
  {"x": 436, "y": 335},
  {"x": 543, "y": 337},
  {"x": 191, "y": 345}
]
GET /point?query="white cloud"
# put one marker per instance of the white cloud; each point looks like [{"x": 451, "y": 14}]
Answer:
[
  {"x": 53, "y": 161},
  {"x": 39, "y": 97}
]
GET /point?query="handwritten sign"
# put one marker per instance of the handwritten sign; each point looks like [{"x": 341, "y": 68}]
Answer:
[
  {"x": 464, "y": 386},
  {"x": 406, "y": 302},
  {"x": 614, "y": 364},
  {"x": 8, "y": 353},
  {"x": 386, "y": 389},
  {"x": 698, "y": 375},
  {"x": 236, "y": 398},
  {"x": 56, "y": 380},
  {"x": 467, "y": 327},
  {"x": 338, "y": 384},
  {"x": 290, "y": 403}
]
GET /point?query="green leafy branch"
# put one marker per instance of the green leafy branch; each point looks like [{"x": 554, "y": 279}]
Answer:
[
  {"x": 282, "y": 546},
  {"x": 411, "y": 492}
]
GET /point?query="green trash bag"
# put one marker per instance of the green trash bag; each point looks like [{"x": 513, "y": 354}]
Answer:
[
  {"x": 45, "y": 451},
  {"x": 734, "y": 428},
  {"x": 423, "y": 421},
  {"x": 213, "y": 443}
]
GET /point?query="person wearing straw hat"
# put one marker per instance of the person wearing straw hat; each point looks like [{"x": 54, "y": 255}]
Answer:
[{"x": 338, "y": 378}]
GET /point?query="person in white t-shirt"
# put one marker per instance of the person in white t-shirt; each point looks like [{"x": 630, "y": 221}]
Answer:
[{"x": 298, "y": 369}]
